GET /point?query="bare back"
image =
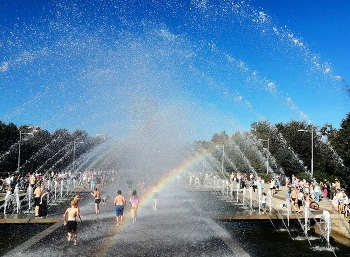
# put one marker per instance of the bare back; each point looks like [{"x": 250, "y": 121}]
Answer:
[
  {"x": 97, "y": 194},
  {"x": 119, "y": 200},
  {"x": 37, "y": 192},
  {"x": 72, "y": 213},
  {"x": 293, "y": 194}
]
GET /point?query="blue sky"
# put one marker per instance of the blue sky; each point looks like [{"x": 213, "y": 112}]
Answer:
[{"x": 207, "y": 66}]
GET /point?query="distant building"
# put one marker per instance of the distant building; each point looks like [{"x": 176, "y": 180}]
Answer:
[
  {"x": 34, "y": 128},
  {"x": 101, "y": 136}
]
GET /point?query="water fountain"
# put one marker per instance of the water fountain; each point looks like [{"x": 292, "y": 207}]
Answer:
[
  {"x": 200, "y": 52},
  {"x": 16, "y": 195},
  {"x": 327, "y": 226},
  {"x": 8, "y": 200}
]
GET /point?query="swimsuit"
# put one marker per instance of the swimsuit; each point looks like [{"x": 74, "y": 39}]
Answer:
[
  {"x": 119, "y": 210},
  {"x": 72, "y": 226},
  {"x": 36, "y": 201}
]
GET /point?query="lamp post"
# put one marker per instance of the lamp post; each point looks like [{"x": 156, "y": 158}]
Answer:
[
  {"x": 267, "y": 156},
  {"x": 19, "y": 149},
  {"x": 312, "y": 146},
  {"x": 222, "y": 159},
  {"x": 74, "y": 143}
]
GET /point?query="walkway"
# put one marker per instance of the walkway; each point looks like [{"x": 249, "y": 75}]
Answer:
[
  {"x": 340, "y": 225},
  {"x": 180, "y": 227}
]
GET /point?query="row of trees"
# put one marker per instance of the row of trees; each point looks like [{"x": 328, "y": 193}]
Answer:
[
  {"x": 41, "y": 151},
  {"x": 289, "y": 151}
]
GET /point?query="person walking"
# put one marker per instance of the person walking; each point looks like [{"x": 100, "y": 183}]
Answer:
[
  {"x": 301, "y": 199},
  {"x": 134, "y": 201},
  {"x": 97, "y": 195},
  {"x": 119, "y": 203},
  {"x": 263, "y": 203},
  {"x": 317, "y": 192},
  {"x": 69, "y": 219},
  {"x": 294, "y": 200},
  {"x": 155, "y": 196}
]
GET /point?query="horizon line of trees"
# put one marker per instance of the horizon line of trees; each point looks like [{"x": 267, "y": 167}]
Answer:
[
  {"x": 289, "y": 150},
  {"x": 41, "y": 151}
]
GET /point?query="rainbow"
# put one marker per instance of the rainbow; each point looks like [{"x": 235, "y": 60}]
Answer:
[{"x": 166, "y": 179}]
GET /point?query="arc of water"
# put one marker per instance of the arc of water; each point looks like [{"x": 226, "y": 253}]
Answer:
[
  {"x": 8, "y": 198},
  {"x": 16, "y": 193},
  {"x": 269, "y": 195},
  {"x": 306, "y": 217},
  {"x": 243, "y": 196},
  {"x": 259, "y": 198},
  {"x": 288, "y": 206},
  {"x": 288, "y": 209},
  {"x": 41, "y": 151},
  {"x": 238, "y": 151},
  {"x": 303, "y": 228},
  {"x": 52, "y": 157},
  {"x": 8, "y": 152},
  {"x": 327, "y": 219},
  {"x": 251, "y": 197}
]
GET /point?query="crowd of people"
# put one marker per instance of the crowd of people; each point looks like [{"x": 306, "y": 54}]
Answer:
[
  {"x": 39, "y": 186},
  {"x": 300, "y": 192},
  {"x": 72, "y": 213}
]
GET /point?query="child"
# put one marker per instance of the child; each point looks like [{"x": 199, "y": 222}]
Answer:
[
  {"x": 134, "y": 200},
  {"x": 69, "y": 219},
  {"x": 105, "y": 200},
  {"x": 263, "y": 203}
]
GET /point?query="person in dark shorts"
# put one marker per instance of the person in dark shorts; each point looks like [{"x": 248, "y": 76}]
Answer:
[
  {"x": 97, "y": 195},
  {"x": 301, "y": 198},
  {"x": 69, "y": 219},
  {"x": 43, "y": 203},
  {"x": 37, "y": 198}
]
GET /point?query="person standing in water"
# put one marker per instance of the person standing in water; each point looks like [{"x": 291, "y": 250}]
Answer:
[
  {"x": 155, "y": 196},
  {"x": 97, "y": 195},
  {"x": 142, "y": 187},
  {"x": 37, "y": 197},
  {"x": 263, "y": 203},
  {"x": 134, "y": 201},
  {"x": 69, "y": 219},
  {"x": 119, "y": 203}
]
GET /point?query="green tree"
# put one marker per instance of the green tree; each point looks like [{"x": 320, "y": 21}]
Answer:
[
  {"x": 8, "y": 136},
  {"x": 340, "y": 140},
  {"x": 280, "y": 147}
]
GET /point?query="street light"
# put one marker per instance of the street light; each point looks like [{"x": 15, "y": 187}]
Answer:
[
  {"x": 312, "y": 147},
  {"x": 268, "y": 151},
  {"x": 222, "y": 159},
  {"x": 74, "y": 143},
  {"x": 19, "y": 149}
]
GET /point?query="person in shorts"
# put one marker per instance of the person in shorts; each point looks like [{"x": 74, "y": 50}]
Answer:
[
  {"x": 97, "y": 195},
  {"x": 119, "y": 203},
  {"x": 69, "y": 220}
]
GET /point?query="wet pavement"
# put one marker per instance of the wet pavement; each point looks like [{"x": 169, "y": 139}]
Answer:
[{"x": 180, "y": 227}]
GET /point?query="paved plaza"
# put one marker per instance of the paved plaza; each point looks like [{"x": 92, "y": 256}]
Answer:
[{"x": 179, "y": 227}]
